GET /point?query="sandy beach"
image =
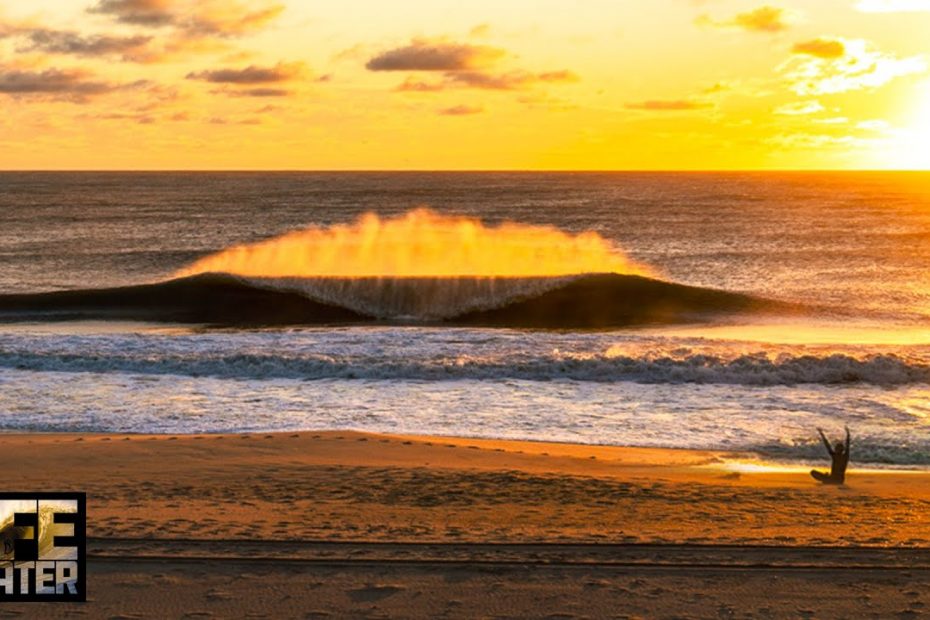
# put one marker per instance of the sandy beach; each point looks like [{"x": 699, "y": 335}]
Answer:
[{"x": 346, "y": 523}]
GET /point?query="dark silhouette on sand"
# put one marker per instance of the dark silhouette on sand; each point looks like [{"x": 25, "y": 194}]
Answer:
[{"x": 840, "y": 455}]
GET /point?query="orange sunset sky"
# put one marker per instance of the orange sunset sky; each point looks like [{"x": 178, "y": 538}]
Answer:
[{"x": 483, "y": 84}]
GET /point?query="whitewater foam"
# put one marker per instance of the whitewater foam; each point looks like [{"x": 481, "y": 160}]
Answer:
[
  {"x": 267, "y": 358},
  {"x": 592, "y": 387}
]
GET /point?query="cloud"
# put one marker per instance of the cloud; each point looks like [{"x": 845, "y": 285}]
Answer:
[
  {"x": 512, "y": 80},
  {"x": 563, "y": 76},
  {"x": 139, "y": 48},
  {"x": 877, "y": 125},
  {"x": 281, "y": 72},
  {"x": 717, "y": 87},
  {"x": 424, "y": 55},
  {"x": 507, "y": 81},
  {"x": 820, "y": 47},
  {"x": 861, "y": 66},
  {"x": 765, "y": 19},
  {"x": 417, "y": 86},
  {"x": 72, "y": 84},
  {"x": 194, "y": 18},
  {"x": 9, "y": 29},
  {"x": 487, "y": 81},
  {"x": 893, "y": 6},
  {"x": 668, "y": 105},
  {"x": 218, "y": 120},
  {"x": 138, "y": 12},
  {"x": 812, "y": 141},
  {"x": 255, "y": 92},
  {"x": 461, "y": 110},
  {"x": 229, "y": 20},
  {"x": 141, "y": 118},
  {"x": 480, "y": 31},
  {"x": 462, "y": 66},
  {"x": 67, "y": 42},
  {"x": 799, "y": 108}
]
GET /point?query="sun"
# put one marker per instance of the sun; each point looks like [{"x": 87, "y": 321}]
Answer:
[{"x": 909, "y": 148}]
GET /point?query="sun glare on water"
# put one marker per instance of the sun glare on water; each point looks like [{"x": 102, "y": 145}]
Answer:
[{"x": 421, "y": 243}]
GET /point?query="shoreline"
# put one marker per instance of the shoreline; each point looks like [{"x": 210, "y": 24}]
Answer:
[
  {"x": 348, "y": 485},
  {"x": 739, "y": 461}
]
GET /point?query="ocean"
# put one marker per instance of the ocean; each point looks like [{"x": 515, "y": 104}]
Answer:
[{"x": 745, "y": 309}]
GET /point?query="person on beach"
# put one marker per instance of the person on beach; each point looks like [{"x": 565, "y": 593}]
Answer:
[{"x": 840, "y": 456}]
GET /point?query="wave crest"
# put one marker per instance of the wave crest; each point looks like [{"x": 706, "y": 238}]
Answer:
[{"x": 421, "y": 244}]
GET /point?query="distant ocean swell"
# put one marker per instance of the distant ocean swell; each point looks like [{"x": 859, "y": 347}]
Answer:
[
  {"x": 760, "y": 369},
  {"x": 582, "y": 301}
]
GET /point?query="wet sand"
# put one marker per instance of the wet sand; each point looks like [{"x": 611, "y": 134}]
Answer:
[{"x": 361, "y": 524}]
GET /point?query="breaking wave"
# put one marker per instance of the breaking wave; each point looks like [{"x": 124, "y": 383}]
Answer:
[{"x": 584, "y": 301}]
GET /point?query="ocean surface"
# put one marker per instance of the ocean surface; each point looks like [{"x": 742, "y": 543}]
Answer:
[{"x": 761, "y": 306}]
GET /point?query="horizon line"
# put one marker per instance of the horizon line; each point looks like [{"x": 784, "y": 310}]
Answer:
[{"x": 471, "y": 170}]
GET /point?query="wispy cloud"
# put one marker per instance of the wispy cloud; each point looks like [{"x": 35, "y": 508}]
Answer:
[
  {"x": 800, "y": 108},
  {"x": 461, "y": 110},
  {"x": 462, "y": 65},
  {"x": 480, "y": 80},
  {"x": 69, "y": 42},
  {"x": 821, "y": 48},
  {"x": 255, "y": 92},
  {"x": 137, "y": 12},
  {"x": 508, "y": 81},
  {"x": 812, "y": 141},
  {"x": 425, "y": 55},
  {"x": 860, "y": 66},
  {"x": 765, "y": 19},
  {"x": 199, "y": 19},
  {"x": 480, "y": 31},
  {"x": 411, "y": 85},
  {"x": 668, "y": 105},
  {"x": 66, "y": 84},
  {"x": 252, "y": 74}
]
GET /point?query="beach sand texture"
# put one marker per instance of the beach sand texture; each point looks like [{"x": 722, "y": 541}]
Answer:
[{"x": 346, "y": 523}]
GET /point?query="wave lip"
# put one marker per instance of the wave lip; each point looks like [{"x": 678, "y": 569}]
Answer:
[{"x": 582, "y": 301}]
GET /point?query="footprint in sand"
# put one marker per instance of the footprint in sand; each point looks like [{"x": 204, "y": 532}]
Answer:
[{"x": 372, "y": 593}]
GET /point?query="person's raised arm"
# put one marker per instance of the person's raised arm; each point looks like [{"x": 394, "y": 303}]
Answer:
[
  {"x": 826, "y": 442},
  {"x": 847, "y": 439}
]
